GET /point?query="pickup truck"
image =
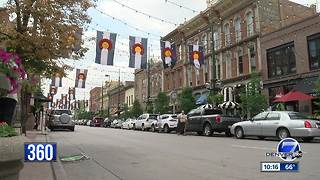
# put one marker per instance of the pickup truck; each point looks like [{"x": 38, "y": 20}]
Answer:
[{"x": 206, "y": 121}]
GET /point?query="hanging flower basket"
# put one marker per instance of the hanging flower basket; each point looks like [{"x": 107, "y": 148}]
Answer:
[{"x": 11, "y": 72}]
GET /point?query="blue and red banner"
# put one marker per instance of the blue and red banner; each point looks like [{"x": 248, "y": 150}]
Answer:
[
  {"x": 105, "y": 46},
  {"x": 138, "y": 52},
  {"x": 168, "y": 54},
  {"x": 81, "y": 76},
  {"x": 196, "y": 55}
]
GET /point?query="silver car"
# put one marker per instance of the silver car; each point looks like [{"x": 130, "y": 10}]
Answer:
[
  {"x": 61, "y": 118},
  {"x": 280, "y": 124}
]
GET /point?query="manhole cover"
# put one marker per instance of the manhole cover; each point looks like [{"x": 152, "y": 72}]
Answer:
[{"x": 74, "y": 158}]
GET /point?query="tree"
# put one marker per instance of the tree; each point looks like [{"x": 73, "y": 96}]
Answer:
[
  {"x": 44, "y": 32},
  {"x": 185, "y": 100},
  {"x": 253, "y": 101},
  {"x": 162, "y": 103},
  {"x": 317, "y": 102},
  {"x": 215, "y": 99},
  {"x": 136, "y": 109}
]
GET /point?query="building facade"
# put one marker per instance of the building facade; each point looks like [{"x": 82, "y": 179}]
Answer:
[
  {"x": 95, "y": 99},
  {"x": 117, "y": 97},
  {"x": 129, "y": 94},
  {"x": 291, "y": 61},
  {"x": 233, "y": 29}
]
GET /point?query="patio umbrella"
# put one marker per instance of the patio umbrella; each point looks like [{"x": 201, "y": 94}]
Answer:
[{"x": 294, "y": 96}]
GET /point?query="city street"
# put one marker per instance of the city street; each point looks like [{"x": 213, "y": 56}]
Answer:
[{"x": 136, "y": 155}]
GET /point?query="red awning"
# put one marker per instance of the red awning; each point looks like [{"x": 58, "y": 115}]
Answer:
[{"x": 294, "y": 96}]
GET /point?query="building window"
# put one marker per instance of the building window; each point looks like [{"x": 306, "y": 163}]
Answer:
[
  {"x": 281, "y": 60},
  {"x": 227, "y": 37},
  {"x": 180, "y": 51},
  {"x": 206, "y": 72},
  {"x": 218, "y": 68},
  {"x": 252, "y": 57},
  {"x": 314, "y": 51},
  {"x": 205, "y": 42},
  {"x": 228, "y": 65},
  {"x": 217, "y": 40},
  {"x": 237, "y": 25},
  {"x": 240, "y": 61},
  {"x": 250, "y": 27},
  {"x": 189, "y": 76}
]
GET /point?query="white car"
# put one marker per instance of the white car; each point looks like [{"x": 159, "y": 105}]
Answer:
[
  {"x": 167, "y": 123},
  {"x": 88, "y": 123},
  {"x": 128, "y": 124},
  {"x": 145, "y": 121}
]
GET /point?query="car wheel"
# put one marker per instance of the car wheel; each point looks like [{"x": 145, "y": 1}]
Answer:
[
  {"x": 166, "y": 128},
  {"x": 228, "y": 133},
  {"x": 134, "y": 127},
  {"x": 200, "y": 133},
  {"x": 261, "y": 137},
  {"x": 142, "y": 127},
  {"x": 307, "y": 139},
  {"x": 207, "y": 130},
  {"x": 239, "y": 133},
  {"x": 153, "y": 129},
  {"x": 283, "y": 133},
  {"x": 72, "y": 129}
]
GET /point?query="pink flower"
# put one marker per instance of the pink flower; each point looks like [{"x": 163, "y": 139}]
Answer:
[{"x": 5, "y": 56}]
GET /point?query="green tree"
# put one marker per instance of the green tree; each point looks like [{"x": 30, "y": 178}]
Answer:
[
  {"x": 253, "y": 101},
  {"x": 317, "y": 102},
  {"x": 162, "y": 103},
  {"x": 149, "y": 108},
  {"x": 185, "y": 100},
  {"x": 136, "y": 110},
  {"x": 215, "y": 99}
]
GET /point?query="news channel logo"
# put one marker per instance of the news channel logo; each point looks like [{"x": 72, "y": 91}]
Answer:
[
  {"x": 288, "y": 150},
  {"x": 40, "y": 152}
]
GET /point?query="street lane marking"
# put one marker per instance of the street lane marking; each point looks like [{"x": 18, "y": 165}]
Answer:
[{"x": 252, "y": 147}]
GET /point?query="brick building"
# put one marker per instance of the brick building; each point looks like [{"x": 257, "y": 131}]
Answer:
[
  {"x": 95, "y": 102},
  {"x": 141, "y": 83},
  {"x": 234, "y": 28},
  {"x": 291, "y": 60},
  {"x": 117, "y": 96}
]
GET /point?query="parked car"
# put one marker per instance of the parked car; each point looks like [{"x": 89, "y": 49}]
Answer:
[
  {"x": 88, "y": 123},
  {"x": 205, "y": 121},
  {"x": 166, "y": 123},
  {"x": 119, "y": 123},
  {"x": 114, "y": 123},
  {"x": 97, "y": 122},
  {"x": 128, "y": 124},
  {"x": 145, "y": 121},
  {"x": 61, "y": 119},
  {"x": 280, "y": 124},
  {"x": 107, "y": 122}
]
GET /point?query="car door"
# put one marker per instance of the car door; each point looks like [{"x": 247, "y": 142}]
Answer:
[
  {"x": 253, "y": 127},
  {"x": 270, "y": 124},
  {"x": 194, "y": 120}
]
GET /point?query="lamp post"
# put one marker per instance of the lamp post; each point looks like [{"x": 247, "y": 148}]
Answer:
[{"x": 107, "y": 75}]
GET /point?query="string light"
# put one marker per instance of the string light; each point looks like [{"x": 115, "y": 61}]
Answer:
[
  {"x": 145, "y": 14},
  {"x": 181, "y": 6}
]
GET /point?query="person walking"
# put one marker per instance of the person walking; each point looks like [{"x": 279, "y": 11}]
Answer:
[{"x": 182, "y": 119}]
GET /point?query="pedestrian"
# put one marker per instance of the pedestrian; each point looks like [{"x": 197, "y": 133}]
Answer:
[{"x": 182, "y": 118}]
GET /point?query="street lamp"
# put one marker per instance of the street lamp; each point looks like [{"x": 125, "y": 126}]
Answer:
[{"x": 107, "y": 75}]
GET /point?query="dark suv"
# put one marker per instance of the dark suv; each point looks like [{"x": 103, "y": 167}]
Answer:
[
  {"x": 61, "y": 119},
  {"x": 97, "y": 122}
]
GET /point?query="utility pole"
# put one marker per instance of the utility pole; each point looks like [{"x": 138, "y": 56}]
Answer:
[
  {"x": 148, "y": 79},
  {"x": 102, "y": 97},
  {"x": 119, "y": 94}
]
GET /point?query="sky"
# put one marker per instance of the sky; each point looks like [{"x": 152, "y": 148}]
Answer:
[{"x": 103, "y": 22}]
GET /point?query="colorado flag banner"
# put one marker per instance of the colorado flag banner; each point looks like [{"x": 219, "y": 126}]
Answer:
[
  {"x": 168, "y": 54},
  {"x": 196, "y": 55},
  {"x": 56, "y": 80},
  {"x": 138, "y": 52},
  {"x": 53, "y": 90},
  {"x": 105, "y": 46},
  {"x": 81, "y": 77},
  {"x": 72, "y": 93}
]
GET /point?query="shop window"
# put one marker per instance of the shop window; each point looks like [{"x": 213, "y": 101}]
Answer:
[{"x": 314, "y": 51}]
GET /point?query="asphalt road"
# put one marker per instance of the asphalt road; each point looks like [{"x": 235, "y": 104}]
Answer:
[{"x": 134, "y": 155}]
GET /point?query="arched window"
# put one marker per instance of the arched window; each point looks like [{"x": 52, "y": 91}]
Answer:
[
  {"x": 237, "y": 26},
  {"x": 205, "y": 42},
  {"x": 250, "y": 27},
  {"x": 227, "y": 37},
  {"x": 216, "y": 39},
  {"x": 240, "y": 61}
]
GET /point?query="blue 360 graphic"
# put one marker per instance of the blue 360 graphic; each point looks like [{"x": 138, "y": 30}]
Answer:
[
  {"x": 40, "y": 152},
  {"x": 289, "y": 149}
]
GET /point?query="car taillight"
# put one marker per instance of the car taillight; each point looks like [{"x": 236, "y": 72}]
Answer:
[
  {"x": 218, "y": 119},
  {"x": 307, "y": 124}
]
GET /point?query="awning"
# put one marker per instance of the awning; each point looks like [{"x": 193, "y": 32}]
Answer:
[
  {"x": 206, "y": 106},
  {"x": 201, "y": 100},
  {"x": 294, "y": 96},
  {"x": 229, "y": 105}
]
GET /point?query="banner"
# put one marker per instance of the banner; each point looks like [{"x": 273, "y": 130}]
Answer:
[
  {"x": 56, "y": 80},
  {"x": 50, "y": 97},
  {"x": 81, "y": 76},
  {"x": 72, "y": 93},
  {"x": 53, "y": 90},
  {"x": 105, "y": 45},
  {"x": 138, "y": 52},
  {"x": 168, "y": 54},
  {"x": 196, "y": 55}
]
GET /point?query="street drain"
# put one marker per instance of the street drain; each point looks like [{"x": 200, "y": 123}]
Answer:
[{"x": 74, "y": 158}]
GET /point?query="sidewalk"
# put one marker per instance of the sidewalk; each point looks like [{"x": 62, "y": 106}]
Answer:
[{"x": 34, "y": 170}]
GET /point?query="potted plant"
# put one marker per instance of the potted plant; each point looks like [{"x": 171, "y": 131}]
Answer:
[
  {"x": 11, "y": 152},
  {"x": 11, "y": 71}
]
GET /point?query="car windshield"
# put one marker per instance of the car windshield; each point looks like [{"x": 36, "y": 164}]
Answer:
[
  {"x": 174, "y": 116},
  {"x": 152, "y": 116},
  {"x": 294, "y": 116},
  {"x": 59, "y": 112}
]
